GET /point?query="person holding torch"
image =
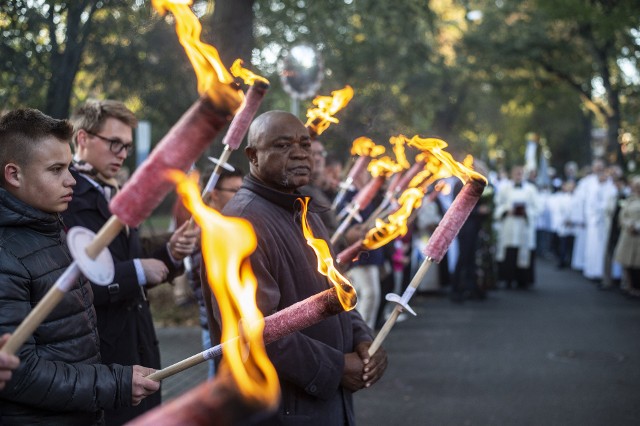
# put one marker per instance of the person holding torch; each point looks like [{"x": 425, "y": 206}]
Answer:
[
  {"x": 103, "y": 137},
  {"x": 321, "y": 366},
  {"x": 60, "y": 379}
]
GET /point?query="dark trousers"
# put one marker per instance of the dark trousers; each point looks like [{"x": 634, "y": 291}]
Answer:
[
  {"x": 508, "y": 270},
  {"x": 565, "y": 250}
]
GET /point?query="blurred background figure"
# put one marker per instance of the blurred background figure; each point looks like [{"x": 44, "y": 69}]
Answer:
[
  {"x": 544, "y": 233},
  {"x": 333, "y": 170},
  {"x": 516, "y": 210},
  {"x": 598, "y": 192},
  {"x": 320, "y": 202},
  {"x": 589, "y": 183},
  {"x": 627, "y": 251},
  {"x": 571, "y": 171},
  {"x": 612, "y": 272},
  {"x": 561, "y": 207}
]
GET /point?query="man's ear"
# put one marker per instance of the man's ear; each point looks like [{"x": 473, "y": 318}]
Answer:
[
  {"x": 250, "y": 152},
  {"x": 81, "y": 140},
  {"x": 12, "y": 175}
]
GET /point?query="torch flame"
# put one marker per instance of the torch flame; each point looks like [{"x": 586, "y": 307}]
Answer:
[
  {"x": 396, "y": 225},
  {"x": 247, "y": 76},
  {"x": 365, "y": 147},
  {"x": 384, "y": 166},
  {"x": 436, "y": 148},
  {"x": 398, "y": 149},
  {"x": 433, "y": 172},
  {"x": 419, "y": 178},
  {"x": 234, "y": 286},
  {"x": 346, "y": 292},
  {"x": 321, "y": 117},
  {"x": 439, "y": 165},
  {"x": 213, "y": 78}
]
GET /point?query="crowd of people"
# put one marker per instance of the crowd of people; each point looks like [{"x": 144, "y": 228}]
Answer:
[
  {"x": 584, "y": 221},
  {"x": 588, "y": 223},
  {"x": 87, "y": 362}
]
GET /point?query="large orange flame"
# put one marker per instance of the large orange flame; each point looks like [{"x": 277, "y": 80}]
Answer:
[
  {"x": 214, "y": 80},
  {"x": 436, "y": 148},
  {"x": 346, "y": 292},
  {"x": 234, "y": 286},
  {"x": 319, "y": 119},
  {"x": 247, "y": 76},
  {"x": 365, "y": 147}
]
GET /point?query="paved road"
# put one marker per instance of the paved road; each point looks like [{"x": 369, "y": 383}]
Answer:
[{"x": 562, "y": 353}]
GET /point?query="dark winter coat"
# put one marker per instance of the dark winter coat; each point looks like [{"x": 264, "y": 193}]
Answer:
[
  {"x": 60, "y": 380},
  {"x": 310, "y": 362}
]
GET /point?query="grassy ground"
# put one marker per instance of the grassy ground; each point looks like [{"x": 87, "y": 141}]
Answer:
[{"x": 167, "y": 313}]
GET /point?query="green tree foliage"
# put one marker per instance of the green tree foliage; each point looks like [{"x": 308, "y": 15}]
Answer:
[
  {"x": 387, "y": 54},
  {"x": 478, "y": 73},
  {"x": 42, "y": 45},
  {"x": 572, "y": 49},
  {"x": 141, "y": 62}
]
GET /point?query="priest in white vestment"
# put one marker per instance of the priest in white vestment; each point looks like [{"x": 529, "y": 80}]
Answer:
[
  {"x": 516, "y": 210},
  {"x": 598, "y": 196}
]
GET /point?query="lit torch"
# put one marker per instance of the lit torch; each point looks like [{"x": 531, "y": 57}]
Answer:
[
  {"x": 385, "y": 231},
  {"x": 380, "y": 169},
  {"x": 180, "y": 148},
  {"x": 445, "y": 232},
  {"x": 305, "y": 313},
  {"x": 247, "y": 380},
  {"x": 365, "y": 149},
  {"x": 242, "y": 120},
  {"x": 197, "y": 127},
  {"x": 400, "y": 181},
  {"x": 319, "y": 119},
  {"x": 414, "y": 184}
]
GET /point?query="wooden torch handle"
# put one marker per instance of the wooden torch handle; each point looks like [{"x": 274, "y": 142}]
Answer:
[
  {"x": 397, "y": 310},
  {"x": 105, "y": 236},
  {"x": 177, "y": 367}
]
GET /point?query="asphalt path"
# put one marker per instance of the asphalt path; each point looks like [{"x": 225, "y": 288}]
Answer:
[{"x": 561, "y": 353}]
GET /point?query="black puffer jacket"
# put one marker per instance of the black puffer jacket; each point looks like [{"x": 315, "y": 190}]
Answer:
[{"x": 60, "y": 380}]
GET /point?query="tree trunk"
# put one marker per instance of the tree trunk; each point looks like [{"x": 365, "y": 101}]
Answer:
[
  {"x": 604, "y": 55},
  {"x": 231, "y": 30},
  {"x": 614, "y": 149},
  {"x": 65, "y": 60},
  {"x": 64, "y": 67}
]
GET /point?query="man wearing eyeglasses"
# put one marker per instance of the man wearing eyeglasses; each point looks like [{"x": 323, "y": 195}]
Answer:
[{"x": 103, "y": 137}]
